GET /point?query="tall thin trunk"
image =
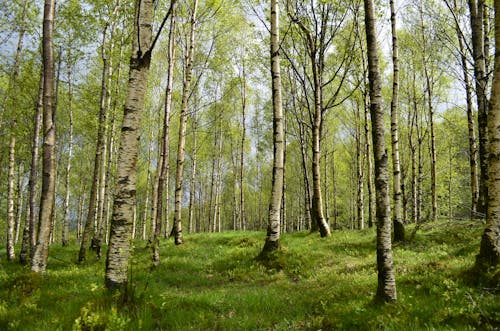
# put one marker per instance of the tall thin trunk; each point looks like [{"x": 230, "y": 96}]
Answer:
[
  {"x": 53, "y": 221},
  {"x": 369, "y": 165},
  {"x": 243, "y": 141},
  {"x": 10, "y": 199},
  {"x": 450, "y": 177},
  {"x": 157, "y": 220},
  {"x": 218, "y": 179},
  {"x": 79, "y": 217},
  {"x": 399, "y": 230},
  {"x": 119, "y": 250},
  {"x": 317, "y": 214},
  {"x": 109, "y": 170},
  {"x": 179, "y": 175},
  {"x": 192, "y": 188},
  {"x": 11, "y": 94},
  {"x": 212, "y": 188},
  {"x": 90, "y": 230},
  {"x": 111, "y": 144},
  {"x": 481, "y": 80},
  {"x": 283, "y": 216},
  {"x": 146, "y": 208},
  {"x": 29, "y": 234},
  {"x": 20, "y": 199},
  {"x": 65, "y": 220},
  {"x": 470, "y": 120},
  {"x": 360, "y": 205},
  {"x": 429, "y": 89},
  {"x": 489, "y": 253},
  {"x": 334, "y": 180},
  {"x": 386, "y": 289},
  {"x": 305, "y": 171},
  {"x": 273, "y": 229},
  {"x": 41, "y": 253}
]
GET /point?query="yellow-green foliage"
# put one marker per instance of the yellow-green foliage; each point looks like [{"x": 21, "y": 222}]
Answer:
[{"x": 215, "y": 282}]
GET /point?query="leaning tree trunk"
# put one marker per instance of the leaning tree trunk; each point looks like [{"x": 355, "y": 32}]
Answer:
[
  {"x": 273, "y": 228},
  {"x": 489, "y": 254},
  {"x": 41, "y": 253},
  {"x": 119, "y": 250},
  {"x": 386, "y": 289},
  {"x": 399, "y": 229},
  {"x": 179, "y": 175}
]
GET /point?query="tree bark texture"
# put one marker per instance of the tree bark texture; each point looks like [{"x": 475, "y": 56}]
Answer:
[
  {"x": 481, "y": 80},
  {"x": 40, "y": 256},
  {"x": 65, "y": 220},
  {"x": 489, "y": 253},
  {"x": 399, "y": 229},
  {"x": 97, "y": 178},
  {"x": 273, "y": 228},
  {"x": 470, "y": 118},
  {"x": 10, "y": 199},
  {"x": 119, "y": 250},
  {"x": 179, "y": 174},
  {"x": 386, "y": 289}
]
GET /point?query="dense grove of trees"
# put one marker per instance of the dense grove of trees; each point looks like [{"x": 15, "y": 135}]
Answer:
[{"x": 149, "y": 119}]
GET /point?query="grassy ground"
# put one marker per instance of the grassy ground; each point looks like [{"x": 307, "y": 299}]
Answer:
[{"x": 213, "y": 282}]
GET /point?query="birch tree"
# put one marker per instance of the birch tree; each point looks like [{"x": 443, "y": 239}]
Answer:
[
  {"x": 272, "y": 242},
  {"x": 386, "y": 289},
  {"x": 119, "y": 250},
  {"x": 186, "y": 86},
  {"x": 399, "y": 230},
  {"x": 40, "y": 256},
  {"x": 489, "y": 253}
]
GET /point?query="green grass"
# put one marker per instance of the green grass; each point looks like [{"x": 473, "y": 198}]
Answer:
[{"x": 214, "y": 282}]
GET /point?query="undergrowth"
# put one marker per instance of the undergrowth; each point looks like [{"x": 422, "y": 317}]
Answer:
[{"x": 215, "y": 282}]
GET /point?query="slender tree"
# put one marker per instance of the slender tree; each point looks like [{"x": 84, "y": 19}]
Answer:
[
  {"x": 65, "y": 220},
  {"x": 29, "y": 231},
  {"x": 119, "y": 250},
  {"x": 179, "y": 174},
  {"x": 163, "y": 175},
  {"x": 386, "y": 289},
  {"x": 10, "y": 199},
  {"x": 41, "y": 253},
  {"x": 399, "y": 230},
  {"x": 273, "y": 228},
  {"x": 481, "y": 80},
  {"x": 489, "y": 253}
]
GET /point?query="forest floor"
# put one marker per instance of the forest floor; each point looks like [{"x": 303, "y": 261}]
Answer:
[{"x": 214, "y": 282}]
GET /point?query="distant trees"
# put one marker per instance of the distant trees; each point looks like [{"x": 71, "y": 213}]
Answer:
[{"x": 228, "y": 129}]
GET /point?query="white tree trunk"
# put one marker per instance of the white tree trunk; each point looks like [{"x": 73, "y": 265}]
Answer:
[
  {"x": 40, "y": 256},
  {"x": 119, "y": 250},
  {"x": 273, "y": 228}
]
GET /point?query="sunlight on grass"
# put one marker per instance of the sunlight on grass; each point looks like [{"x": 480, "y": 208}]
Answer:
[{"x": 215, "y": 282}]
